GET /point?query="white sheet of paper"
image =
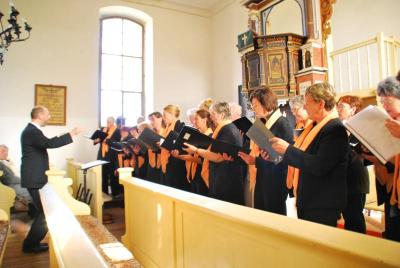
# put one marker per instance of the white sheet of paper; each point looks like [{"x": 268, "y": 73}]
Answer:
[{"x": 369, "y": 127}]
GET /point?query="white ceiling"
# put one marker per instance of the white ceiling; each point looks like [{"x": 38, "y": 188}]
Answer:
[{"x": 203, "y": 4}]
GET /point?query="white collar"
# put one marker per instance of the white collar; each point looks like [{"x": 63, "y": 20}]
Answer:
[{"x": 36, "y": 125}]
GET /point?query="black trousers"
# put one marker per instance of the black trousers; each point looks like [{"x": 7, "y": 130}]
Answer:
[
  {"x": 110, "y": 179},
  {"x": 392, "y": 222},
  {"x": 39, "y": 226},
  {"x": 323, "y": 216},
  {"x": 353, "y": 213}
]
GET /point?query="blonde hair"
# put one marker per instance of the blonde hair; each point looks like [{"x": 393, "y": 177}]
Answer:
[
  {"x": 173, "y": 109},
  {"x": 206, "y": 104},
  {"x": 323, "y": 92}
]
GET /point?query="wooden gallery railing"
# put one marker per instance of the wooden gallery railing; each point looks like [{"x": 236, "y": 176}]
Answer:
[
  {"x": 361, "y": 66},
  {"x": 166, "y": 227}
]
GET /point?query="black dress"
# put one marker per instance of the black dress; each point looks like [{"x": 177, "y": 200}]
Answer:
[
  {"x": 175, "y": 175},
  {"x": 197, "y": 185},
  {"x": 154, "y": 173},
  {"x": 270, "y": 191},
  {"x": 357, "y": 188},
  {"x": 141, "y": 172},
  {"x": 322, "y": 189},
  {"x": 226, "y": 178}
]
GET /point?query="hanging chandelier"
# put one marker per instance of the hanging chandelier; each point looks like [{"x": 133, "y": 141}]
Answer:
[{"x": 12, "y": 33}]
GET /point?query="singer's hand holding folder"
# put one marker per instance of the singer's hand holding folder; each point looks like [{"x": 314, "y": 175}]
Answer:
[
  {"x": 227, "y": 148},
  {"x": 151, "y": 139},
  {"x": 134, "y": 142},
  {"x": 368, "y": 126},
  {"x": 260, "y": 134}
]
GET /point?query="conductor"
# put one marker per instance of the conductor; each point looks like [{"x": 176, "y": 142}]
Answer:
[{"x": 34, "y": 163}]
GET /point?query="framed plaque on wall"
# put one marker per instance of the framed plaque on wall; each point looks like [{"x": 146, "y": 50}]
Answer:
[{"x": 53, "y": 98}]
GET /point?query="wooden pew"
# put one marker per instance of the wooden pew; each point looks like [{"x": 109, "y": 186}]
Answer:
[
  {"x": 61, "y": 186},
  {"x": 94, "y": 183},
  {"x": 4, "y": 233},
  {"x": 166, "y": 227},
  {"x": 82, "y": 242},
  {"x": 7, "y": 197}
]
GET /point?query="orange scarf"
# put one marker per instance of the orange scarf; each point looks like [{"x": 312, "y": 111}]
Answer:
[
  {"x": 205, "y": 169},
  {"x": 303, "y": 141},
  {"x": 154, "y": 161},
  {"x": 104, "y": 145},
  {"x": 394, "y": 199},
  {"x": 164, "y": 156},
  {"x": 302, "y": 125},
  {"x": 255, "y": 150},
  {"x": 191, "y": 165}
]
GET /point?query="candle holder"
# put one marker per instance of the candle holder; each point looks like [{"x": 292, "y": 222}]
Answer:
[{"x": 12, "y": 33}]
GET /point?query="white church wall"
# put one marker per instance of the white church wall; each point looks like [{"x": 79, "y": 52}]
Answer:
[
  {"x": 63, "y": 50},
  {"x": 226, "y": 65}
]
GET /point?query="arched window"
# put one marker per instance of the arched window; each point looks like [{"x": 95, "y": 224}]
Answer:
[{"x": 121, "y": 70}]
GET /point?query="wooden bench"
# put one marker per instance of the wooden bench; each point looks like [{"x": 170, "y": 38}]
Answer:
[
  {"x": 78, "y": 241},
  {"x": 7, "y": 197},
  {"x": 4, "y": 232},
  {"x": 94, "y": 183}
]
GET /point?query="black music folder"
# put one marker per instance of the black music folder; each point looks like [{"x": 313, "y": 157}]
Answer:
[
  {"x": 193, "y": 137},
  {"x": 151, "y": 138},
  {"x": 98, "y": 134},
  {"x": 169, "y": 142},
  {"x": 133, "y": 142},
  {"x": 260, "y": 134},
  {"x": 228, "y": 148},
  {"x": 243, "y": 124}
]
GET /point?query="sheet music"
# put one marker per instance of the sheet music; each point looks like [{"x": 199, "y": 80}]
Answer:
[
  {"x": 369, "y": 127},
  {"x": 93, "y": 164}
]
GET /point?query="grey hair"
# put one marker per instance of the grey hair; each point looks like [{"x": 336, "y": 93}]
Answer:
[
  {"x": 297, "y": 101},
  {"x": 389, "y": 87},
  {"x": 3, "y": 146},
  {"x": 235, "y": 108},
  {"x": 221, "y": 108},
  {"x": 191, "y": 112}
]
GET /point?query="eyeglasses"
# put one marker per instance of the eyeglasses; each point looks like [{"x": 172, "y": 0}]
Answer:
[
  {"x": 386, "y": 100},
  {"x": 343, "y": 106}
]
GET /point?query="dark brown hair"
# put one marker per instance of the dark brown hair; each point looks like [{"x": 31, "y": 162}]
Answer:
[
  {"x": 266, "y": 97},
  {"x": 206, "y": 114}
]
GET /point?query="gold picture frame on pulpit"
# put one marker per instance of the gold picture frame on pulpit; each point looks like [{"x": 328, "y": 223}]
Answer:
[{"x": 53, "y": 98}]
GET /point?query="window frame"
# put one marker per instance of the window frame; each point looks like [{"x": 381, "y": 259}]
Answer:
[{"x": 143, "y": 60}]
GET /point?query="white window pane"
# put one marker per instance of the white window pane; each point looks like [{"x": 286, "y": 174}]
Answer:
[
  {"x": 111, "y": 105},
  {"x": 132, "y": 107},
  {"x": 111, "y": 70},
  {"x": 112, "y": 36},
  {"x": 132, "y": 74},
  {"x": 132, "y": 38}
]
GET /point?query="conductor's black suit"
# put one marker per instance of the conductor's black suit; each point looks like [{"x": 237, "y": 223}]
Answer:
[{"x": 34, "y": 163}]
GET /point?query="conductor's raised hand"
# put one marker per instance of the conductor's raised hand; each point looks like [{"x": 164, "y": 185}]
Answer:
[
  {"x": 280, "y": 146},
  {"x": 248, "y": 159},
  {"x": 75, "y": 131}
]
